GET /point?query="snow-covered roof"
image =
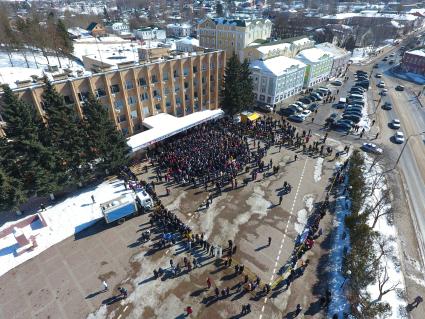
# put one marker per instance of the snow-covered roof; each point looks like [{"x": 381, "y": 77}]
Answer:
[
  {"x": 276, "y": 66},
  {"x": 165, "y": 125},
  {"x": 9, "y": 75},
  {"x": 178, "y": 26},
  {"x": 332, "y": 49},
  {"x": 301, "y": 41},
  {"x": 269, "y": 48},
  {"x": 371, "y": 14},
  {"x": 418, "y": 52},
  {"x": 189, "y": 41},
  {"x": 79, "y": 32},
  {"x": 312, "y": 55}
]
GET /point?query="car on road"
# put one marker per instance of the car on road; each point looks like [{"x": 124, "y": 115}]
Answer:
[
  {"x": 264, "y": 108},
  {"x": 288, "y": 111},
  {"x": 378, "y": 75},
  {"x": 391, "y": 62},
  {"x": 395, "y": 124},
  {"x": 383, "y": 92},
  {"x": 371, "y": 148},
  {"x": 399, "y": 137},
  {"x": 339, "y": 105},
  {"x": 313, "y": 107},
  {"x": 336, "y": 83},
  {"x": 381, "y": 84},
  {"x": 296, "y": 118},
  {"x": 399, "y": 88},
  {"x": 387, "y": 106},
  {"x": 385, "y": 59},
  {"x": 376, "y": 66}
]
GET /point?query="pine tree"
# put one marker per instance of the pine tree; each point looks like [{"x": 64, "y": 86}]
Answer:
[
  {"x": 63, "y": 135},
  {"x": 232, "y": 99},
  {"x": 247, "y": 85},
  {"x": 11, "y": 195},
  {"x": 22, "y": 156},
  {"x": 107, "y": 147},
  {"x": 65, "y": 43}
]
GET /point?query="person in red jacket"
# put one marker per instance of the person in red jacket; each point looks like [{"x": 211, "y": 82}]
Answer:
[{"x": 189, "y": 310}]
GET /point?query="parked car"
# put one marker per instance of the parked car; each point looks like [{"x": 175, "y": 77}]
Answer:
[
  {"x": 264, "y": 108},
  {"x": 391, "y": 62},
  {"x": 331, "y": 118},
  {"x": 316, "y": 96},
  {"x": 296, "y": 118},
  {"x": 297, "y": 107},
  {"x": 395, "y": 124},
  {"x": 288, "y": 111},
  {"x": 387, "y": 106},
  {"x": 305, "y": 113},
  {"x": 381, "y": 84},
  {"x": 399, "y": 137},
  {"x": 305, "y": 100},
  {"x": 341, "y": 126},
  {"x": 376, "y": 66},
  {"x": 371, "y": 148},
  {"x": 378, "y": 75},
  {"x": 336, "y": 83},
  {"x": 353, "y": 112},
  {"x": 352, "y": 117},
  {"x": 399, "y": 88},
  {"x": 339, "y": 105},
  {"x": 383, "y": 92},
  {"x": 313, "y": 107}
]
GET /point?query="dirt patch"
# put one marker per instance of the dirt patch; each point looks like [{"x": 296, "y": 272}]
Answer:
[
  {"x": 107, "y": 275},
  {"x": 103, "y": 263},
  {"x": 148, "y": 312}
]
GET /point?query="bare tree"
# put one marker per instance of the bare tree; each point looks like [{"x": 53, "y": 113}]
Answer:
[
  {"x": 384, "y": 285},
  {"x": 381, "y": 207}
]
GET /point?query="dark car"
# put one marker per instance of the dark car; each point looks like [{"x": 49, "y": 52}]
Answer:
[
  {"x": 296, "y": 118},
  {"x": 387, "y": 106},
  {"x": 287, "y": 111},
  {"x": 356, "y": 119},
  {"x": 376, "y": 66},
  {"x": 305, "y": 100},
  {"x": 341, "y": 126},
  {"x": 264, "y": 108},
  {"x": 313, "y": 107},
  {"x": 399, "y": 88},
  {"x": 332, "y": 118},
  {"x": 313, "y": 98},
  {"x": 349, "y": 122},
  {"x": 340, "y": 105}
]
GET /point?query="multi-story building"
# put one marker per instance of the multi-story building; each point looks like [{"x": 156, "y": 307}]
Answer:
[
  {"x": 149, "y": 33},
  {"x": 276, "y": 79},
  {"x": 414, "y": 61},
  {"x": 187, "y": 44},
  {"x": 319, "y": 65},
  {"x": 261, "y": 50},
  {"x": 341, "y": 57},
  {"x": 232, "y": 35},
  {"x": 179, "y": 30},
  {"x": 118, "y": 28},
  {"x": 178, "y": 85}
]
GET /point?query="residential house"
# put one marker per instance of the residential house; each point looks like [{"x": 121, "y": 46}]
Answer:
[
  {"x": 96, "y": 29},
  {"x": 341, "y": 58}
]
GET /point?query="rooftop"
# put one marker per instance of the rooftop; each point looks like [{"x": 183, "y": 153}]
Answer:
[
  {"x": 418, "y": 52},
  {"x": 312, "y": 55},
  {"x": 276, "y": 66},
  {"x": 332, "y": 48}
]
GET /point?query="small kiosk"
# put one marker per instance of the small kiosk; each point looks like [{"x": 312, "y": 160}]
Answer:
[{"x": 249, "y": 117}]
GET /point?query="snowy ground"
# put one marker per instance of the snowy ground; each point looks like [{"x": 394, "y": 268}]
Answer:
[
  {"x": 63, "y": 220},
  {"x": 106, "y": 46},
  {"x": 389, "y": 232},
  {"x": 361, "y": 55}
]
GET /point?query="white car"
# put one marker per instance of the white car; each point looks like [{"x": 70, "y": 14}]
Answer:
[
  {"x": 399, "y": 137},
  {"x": 297, "y": 107},
  {"x": 395, "y": 124},
  {"x": 305, "y": 113},
  {"x": 381, "y": 84},
  {"x": 371, "y": 148},
  {"x": 299, "y": 103}
]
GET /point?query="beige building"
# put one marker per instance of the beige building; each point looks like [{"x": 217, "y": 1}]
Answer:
[
  {"x": 261, "y": 50},
  {"x": 178, "y": 85},
  {"x": 232, "y": 35}
]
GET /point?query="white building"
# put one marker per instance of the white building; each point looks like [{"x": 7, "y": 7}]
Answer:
[
  {"x": 179, "y": 30},
  {"x": 319, "y": 65},
  {"x": 149, "y": 33},
  {"x": 187, "y": 44},
  {"x": 118, "y": 28},
  {"x": 277, "y": 78},
  {"x": 340, "y": 58}
]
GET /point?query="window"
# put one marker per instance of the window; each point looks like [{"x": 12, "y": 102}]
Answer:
[
  {"x": 177, "y": 87},
  {"x": 158, "y": 107},
  {"x": 134, "y": 114},
  {"x": 186, "y": 84},
  {"x": 154, "y": 79},
  {"x": 115, "y": 88},
  {"x": 155, "y": 93},
  {"x": 269, "y": 99},
  {"x": 129, "y": 85},
  {"x": 262, "y": 97},
  {"x": 121, "y": 118},
  {"x": 185, "y": 71},
  {"x": 68, "y": 100},
  {"x": 175, "y": 73},
  {"x": 165, "y": 76},
  {"x": 99, "y": 92},
  {"x": 142, "y": 81},
  {"x": 144, "y": 96},
  {"x": 119, "y": 104},
  {"x": 82, "y": 96},
  {"x": 131, "y": 100},
  {"x": 195, "y": 69},
  {"x": 145, "y": 111}
]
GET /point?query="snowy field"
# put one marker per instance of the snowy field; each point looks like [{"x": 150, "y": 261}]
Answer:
[
  {"x": 361, "y": 55},
  {"x": 64, "y": 219}
]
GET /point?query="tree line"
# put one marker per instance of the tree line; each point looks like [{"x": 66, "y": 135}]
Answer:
[
  {"x": 32, "y": 33},
  {"x": 42, "y": 155}
]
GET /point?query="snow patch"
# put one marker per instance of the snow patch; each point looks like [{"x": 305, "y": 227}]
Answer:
[{"x": 318, "y": 169}]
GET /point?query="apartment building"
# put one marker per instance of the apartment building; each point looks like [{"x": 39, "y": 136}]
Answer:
[
  {"x": 319, "y": 65},
  {"x": 232, "y": 35},
  {"x": 177, "y": 85}
]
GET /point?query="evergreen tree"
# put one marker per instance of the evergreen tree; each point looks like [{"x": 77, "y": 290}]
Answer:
[
  {"x": 219, "y": 9},
  {"x": 63, "y": 135},
  {"x": 65, "y": 43},
  {"x": 107, "y": 147},
  {"x": 11, "y": 195},
  {"x": 247, "y": 85},
  {"x": 232, "y": 94},
  {"x": 22, "y": 156}
]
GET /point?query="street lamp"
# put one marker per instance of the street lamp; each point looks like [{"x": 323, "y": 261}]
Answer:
[{"x": 404, "y": 146}]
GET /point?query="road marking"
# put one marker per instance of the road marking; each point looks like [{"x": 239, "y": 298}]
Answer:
[
  {"x": 125, "y": 308},
  {"x": 167, "y": 251},
  {"x": 286, "y": 228},
  {"x": 119, "y": 316},
  {"x": 262, "y": 309}
]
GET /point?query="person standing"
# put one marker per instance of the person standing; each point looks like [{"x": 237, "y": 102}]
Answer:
[
  {"x": 280, "y": 199},
  {"x": 189, "y": 310},
  {"x": 270, "y": 240},
  {"x": 208, "y": 283},
  {"x": 92, "y": 198}
]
